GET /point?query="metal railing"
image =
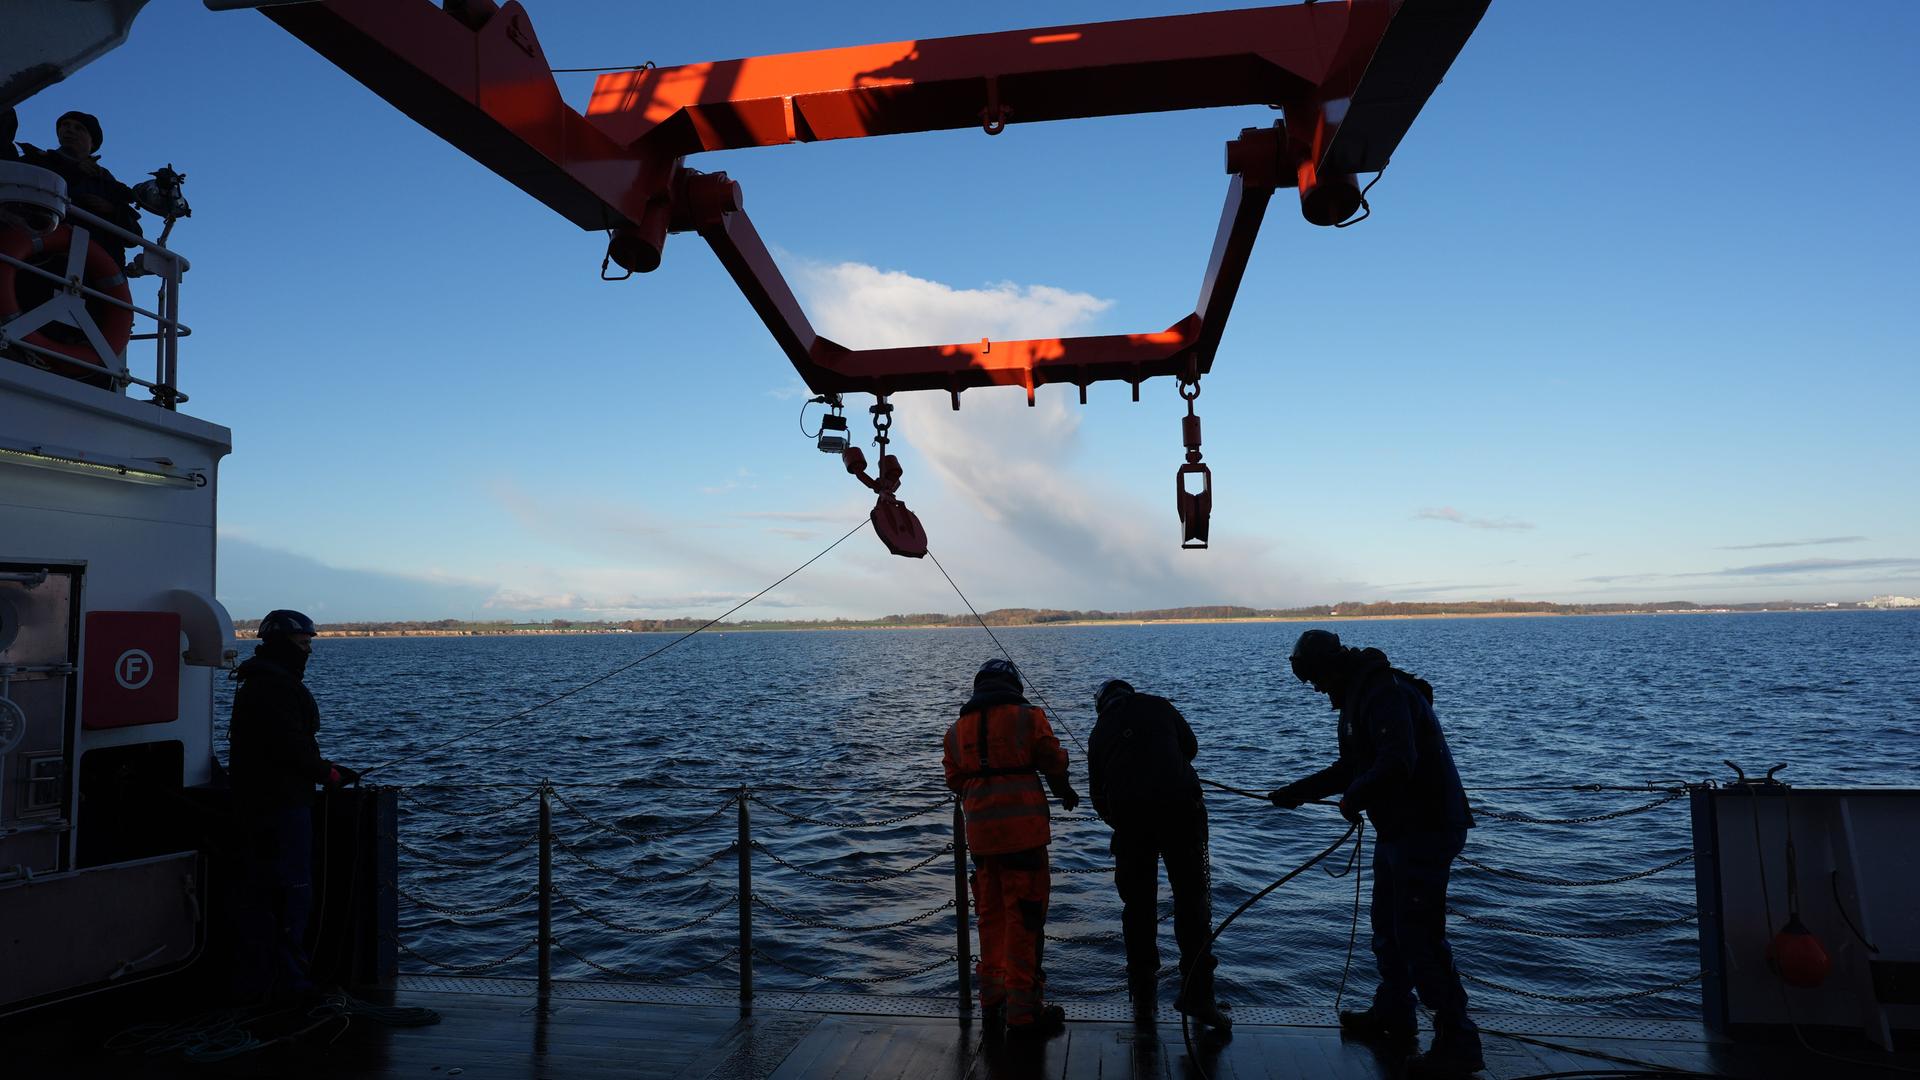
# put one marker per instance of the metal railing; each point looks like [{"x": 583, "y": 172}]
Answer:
[
  {"x": 164, "y": 318},
  {"x": 758, "y": 896}
]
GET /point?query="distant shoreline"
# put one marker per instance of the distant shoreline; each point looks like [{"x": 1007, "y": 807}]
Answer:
[{"x": 605, "y": 630}]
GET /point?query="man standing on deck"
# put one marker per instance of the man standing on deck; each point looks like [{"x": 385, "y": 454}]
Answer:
[
  {"x": 1395, "y": 767},
  {"x": 275, "y": 762},
  {"x": 995, "y": 755},
  {"x": 1140, "y": 774}
]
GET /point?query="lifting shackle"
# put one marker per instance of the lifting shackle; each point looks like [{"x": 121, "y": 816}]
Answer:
[
  {"x": 1196, "y": 507},
  {"x": 898, "y": 527}
]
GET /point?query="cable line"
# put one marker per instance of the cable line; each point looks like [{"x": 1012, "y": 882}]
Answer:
[
  {"x": 628, "y": 666},
  {"x": 1003, "y": 651}
]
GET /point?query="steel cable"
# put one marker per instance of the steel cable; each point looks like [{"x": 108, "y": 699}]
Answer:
[
  {"x": 945, "y": 801},
  {"x": 635, "y": 837},
  {"x": 459, "y": 913},
  {"x": 887, "y": 876},
  {"x": 648, "y": 931},
  {"x": 655, "y": 978},
  {"x": 641, "y": 879},
  {"x": 1569, "y": 883},
  {"x": 628, "y": 666}
]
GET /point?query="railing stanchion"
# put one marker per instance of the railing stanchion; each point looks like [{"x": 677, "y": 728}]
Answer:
[
  {"x": 745, "y": 846},
  {"x": 962, "y": 940},
  {"x": 546, "y": 893}
]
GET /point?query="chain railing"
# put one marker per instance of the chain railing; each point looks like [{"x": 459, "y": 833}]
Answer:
[{"x": 794, "y": 885}]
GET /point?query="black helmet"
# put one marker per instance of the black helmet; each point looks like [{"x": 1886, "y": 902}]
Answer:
[
  {"x": 1110, "y": 691},
  {"x": 284, "y": 623},
  {"x": 997, "y": 672},
  {"x": 1315, "y": 655}
]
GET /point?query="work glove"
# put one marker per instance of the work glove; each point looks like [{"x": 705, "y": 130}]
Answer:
[
  {"x": 341, "y": 776},
  {"x": 1286, "y": 798},
  {"x": 1351, "y": 811},
  {"x": 1069, "y": 800}
]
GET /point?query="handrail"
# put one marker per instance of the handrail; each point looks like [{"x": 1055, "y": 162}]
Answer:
[
  {"x": 699, "y": 878},
  {"x": 167, "y": 264}
]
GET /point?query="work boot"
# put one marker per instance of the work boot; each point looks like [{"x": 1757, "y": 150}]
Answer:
[
  {"x": 1195, "y": 1000},
  {"x": 1206, "y": 1013},
  {"x": 1144, "y": 990},
  {"x": 1049, "y": 1020},
  {"x": 993, "y": 1021},
  {"x": 1372, "y": 1027},
  {"x": 1454, "y": 1055}
]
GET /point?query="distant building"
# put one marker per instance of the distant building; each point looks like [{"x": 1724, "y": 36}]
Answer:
[{"x": 1891, "y": 602}]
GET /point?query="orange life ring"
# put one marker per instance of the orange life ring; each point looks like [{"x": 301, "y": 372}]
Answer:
[{"x": 101, "y": 272}]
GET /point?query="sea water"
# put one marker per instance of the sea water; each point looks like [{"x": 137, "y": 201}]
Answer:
[{"x": 833, "y": 730}]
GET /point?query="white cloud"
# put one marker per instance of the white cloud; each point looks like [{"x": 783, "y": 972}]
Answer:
[
  {"x": 865, "y": 307},
  {"x": 1007, "y": 507}
]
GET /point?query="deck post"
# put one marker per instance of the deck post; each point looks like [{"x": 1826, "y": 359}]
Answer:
[
  {"x": 745, "y": 847},
  {"x": 545, "y": 932},
  {"x": 962, "y": 941}
]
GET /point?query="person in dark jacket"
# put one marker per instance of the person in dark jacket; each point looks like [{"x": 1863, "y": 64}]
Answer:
[
  {"x": 89, "y": 185},
  {"x": 1395, "y": 767},
  {"x": 1140, "y": 774},
  {"x": 275, "y": 763}
]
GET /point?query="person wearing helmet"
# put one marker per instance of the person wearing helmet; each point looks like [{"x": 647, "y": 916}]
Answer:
[
  {"x": 1395, "y": 767},
  {"x": 995, "y": 756},
  {"x": 275, "y": 763},
  {"x": 1140, "y": 775}
]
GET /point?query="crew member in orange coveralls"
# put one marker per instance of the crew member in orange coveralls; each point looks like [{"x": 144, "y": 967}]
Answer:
[{"x": 995, "y": 755}]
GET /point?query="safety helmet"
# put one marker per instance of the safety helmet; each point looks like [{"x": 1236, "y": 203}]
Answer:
[
  {"x": 1110, "y": 691},
  {"x": 284, "y": 623},
  {"x": 998, "y": 671},
  {"x": 1315, "y": 654}
]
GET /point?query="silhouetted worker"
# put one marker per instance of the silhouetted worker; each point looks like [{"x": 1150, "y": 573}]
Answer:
[
  {"x": 1395, "y": 767},
  {"x": 275, "y": 763},
  {"x": 996, "y": 753},
  {"x": 89, "y": 185},
  {"x": 1140, "y": 774}
]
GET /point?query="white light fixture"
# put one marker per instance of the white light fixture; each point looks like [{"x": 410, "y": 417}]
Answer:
[{"x": 156, "y": 471}]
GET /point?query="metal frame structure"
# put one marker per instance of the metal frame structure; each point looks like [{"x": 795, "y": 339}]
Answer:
[{"x": 1349, "y": 78}]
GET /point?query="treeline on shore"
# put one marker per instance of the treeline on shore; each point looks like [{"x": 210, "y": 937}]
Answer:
[{"x": 1040, "y": 617}]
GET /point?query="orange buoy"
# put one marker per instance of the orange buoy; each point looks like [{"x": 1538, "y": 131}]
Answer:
[
  {"x": 1797, "y": 956},
  {"x": 100, "y": 271}
]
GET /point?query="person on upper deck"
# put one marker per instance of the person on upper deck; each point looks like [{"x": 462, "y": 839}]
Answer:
[
  {"x": 275, "y": 763},
  {"x": 1396, "y": 768},
  {"x": 995, "y": 756},
  {"x": 1140, "y": 776},
  {"x": 89, "y": 185}
]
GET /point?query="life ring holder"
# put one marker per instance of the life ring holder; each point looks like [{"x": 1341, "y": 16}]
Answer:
[{"x": 106, "y": 323}]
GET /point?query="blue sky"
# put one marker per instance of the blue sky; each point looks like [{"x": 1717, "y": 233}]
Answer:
[{"x": 1632, "y": 319}]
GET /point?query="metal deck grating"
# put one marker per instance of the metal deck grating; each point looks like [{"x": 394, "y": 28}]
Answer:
[{"x": 726, "y": 997}]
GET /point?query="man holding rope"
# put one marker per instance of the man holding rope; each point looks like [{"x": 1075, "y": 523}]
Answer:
[{"x": 1395, "y": 767}]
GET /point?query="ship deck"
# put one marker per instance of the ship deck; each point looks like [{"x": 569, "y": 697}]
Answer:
[{"x": 500, "y": 1029}]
